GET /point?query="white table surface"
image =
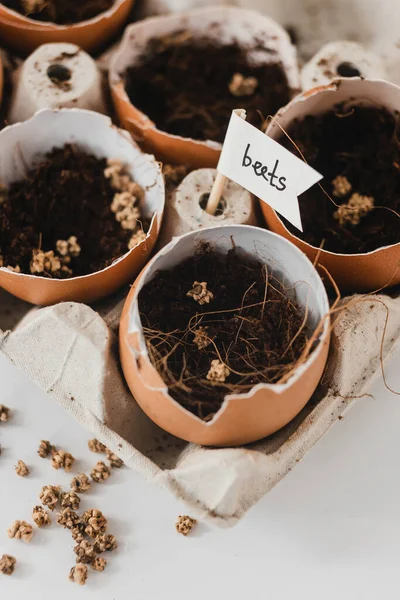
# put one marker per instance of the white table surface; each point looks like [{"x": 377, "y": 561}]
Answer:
[{"x": 331, "y": 529}]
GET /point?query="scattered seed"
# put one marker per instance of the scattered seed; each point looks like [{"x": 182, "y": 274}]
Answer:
[
  {"x": 21, "y": 469},
  {"x": 7, "y": 564},
  {"x": 20, "y": 530},
  {"x": 100, "y": 472},
  {"x": 185, "y": 524}
]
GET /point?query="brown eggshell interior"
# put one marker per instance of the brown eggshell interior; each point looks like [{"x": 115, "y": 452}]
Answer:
[
  {"x": 23, "y": 143},
  {"x": 352, "y": 272},
  {"x": 243, "y": 418},
  {"x": 24, "y": 35},
  {"x": 225, "y": 24}
]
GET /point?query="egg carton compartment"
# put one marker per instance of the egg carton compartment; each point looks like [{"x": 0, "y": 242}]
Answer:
[{"x": 70, "y": 351}]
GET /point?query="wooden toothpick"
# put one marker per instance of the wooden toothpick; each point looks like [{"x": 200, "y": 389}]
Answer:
[{"x": 220, "y": 180}]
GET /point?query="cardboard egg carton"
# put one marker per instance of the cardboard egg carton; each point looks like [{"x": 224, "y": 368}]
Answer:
[{"x": 54, "y": 346}]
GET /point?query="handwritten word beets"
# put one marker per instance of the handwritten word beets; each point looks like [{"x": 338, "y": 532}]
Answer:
[{"x": 262, "y": 170}]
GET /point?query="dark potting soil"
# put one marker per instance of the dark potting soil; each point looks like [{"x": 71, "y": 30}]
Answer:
[
  {"x": 65, "y": 195},
  {"x": 361, "y": 144},
  {"x": 182, "y": 84},
  {"x": 62, "y": 12},
  {"x": 252, "y": 326}
]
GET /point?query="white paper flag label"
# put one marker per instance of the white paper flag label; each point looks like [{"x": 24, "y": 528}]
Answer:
[{"x": 265, "y": 168}]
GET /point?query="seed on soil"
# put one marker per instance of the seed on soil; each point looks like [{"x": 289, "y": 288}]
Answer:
[{"x": 200, "y": 293}]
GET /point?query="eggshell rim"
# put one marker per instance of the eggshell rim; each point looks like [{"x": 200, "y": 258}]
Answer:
[
  {"x": 146, "y": 124},
  {"x": 36, "y": 25},
  {"x": 156, "y": 215},
  {"x": 329, "y": 87}
]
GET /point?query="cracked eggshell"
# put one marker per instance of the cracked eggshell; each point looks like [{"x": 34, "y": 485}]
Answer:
[
  {"x": 364, "y": 272},
  {"x": 1, "y": 79},
  {"x": 225, "y": 24},
  {"x": 323, "y": 67},
  {"x": 33, "y": 89},
  {"x": 23, "y": 34},
  {"x": 24, "y": 143},
  {"x": 243, "y": 418}
]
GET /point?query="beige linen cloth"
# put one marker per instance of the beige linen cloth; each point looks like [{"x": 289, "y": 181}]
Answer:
[{"x": 71, "y": 352}]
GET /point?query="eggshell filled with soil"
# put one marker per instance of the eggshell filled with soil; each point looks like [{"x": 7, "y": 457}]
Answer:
[
  {"x": 23, "y": 34},
  {"x": 264, "y": 40},
  {"x": 24, "y": 144},
  {"x": 57, "y": 76},
  {"x": 353, "y": 272},
  {"x": 242, "y": 418}
]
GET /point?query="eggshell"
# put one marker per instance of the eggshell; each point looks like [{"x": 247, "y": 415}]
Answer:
[
  {"x": 223, "y": 23},
  {"x": 323, "y": 66},
  {"x": 243, "y": 418},
  {"x": 364, "y": 272},
  {"x": 34, "y": 90},
  {"x": 23, "y": 143},
  {"x": 23, "y": 34},
  {"x": 1, "y": 80}
]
